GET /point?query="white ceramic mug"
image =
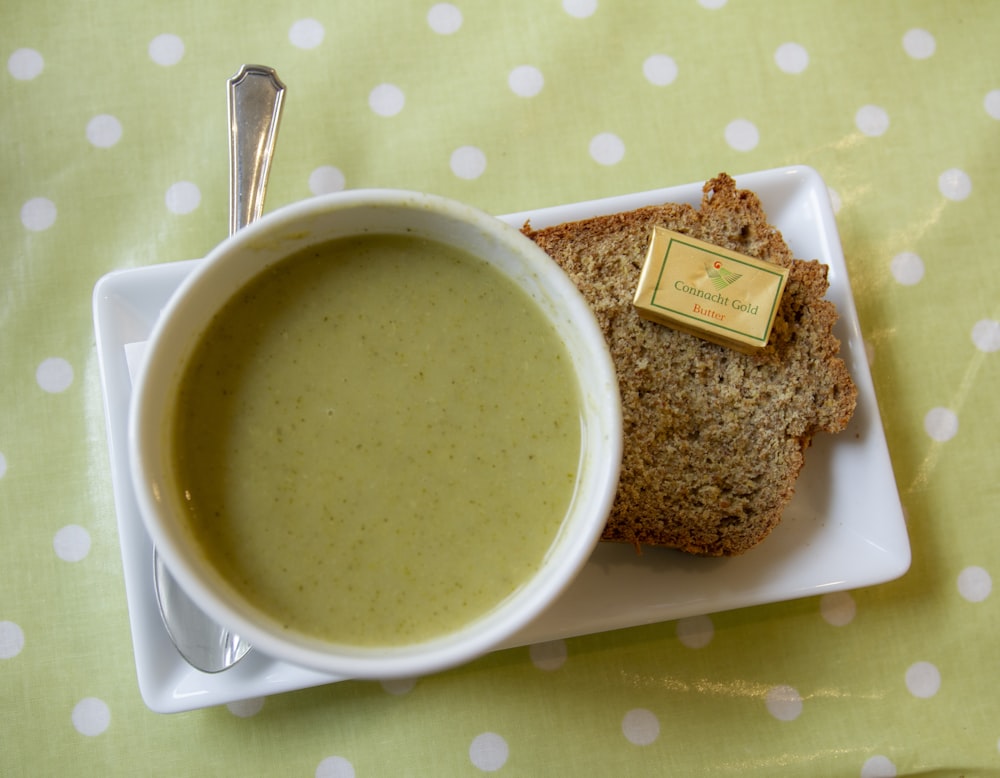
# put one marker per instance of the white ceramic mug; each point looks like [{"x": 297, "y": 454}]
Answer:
[{"x": 313, "y": 222}]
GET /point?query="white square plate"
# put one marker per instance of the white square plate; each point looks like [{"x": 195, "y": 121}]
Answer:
[{"x": 844, "y": 528}]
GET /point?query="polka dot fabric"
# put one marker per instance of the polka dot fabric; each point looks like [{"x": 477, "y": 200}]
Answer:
[{"x": 114, "y": 155}]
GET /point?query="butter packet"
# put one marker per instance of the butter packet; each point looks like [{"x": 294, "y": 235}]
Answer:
[{"x": 708, "y": 291}]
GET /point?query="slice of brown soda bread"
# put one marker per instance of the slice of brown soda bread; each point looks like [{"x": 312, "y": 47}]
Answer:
[{"x": 714, "y": 438}]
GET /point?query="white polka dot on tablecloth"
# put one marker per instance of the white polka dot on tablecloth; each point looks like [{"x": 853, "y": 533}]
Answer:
[
  {"x": 335, "y": 767},
  {"x": 525, "y": 80},
  {"x": 548, "y": 656},
  {"x": 606, "y": 148},
  {"x": 11, "y": 639},
  {"x": 783, "y": 702},
  {"x": 837, "y": 608},
  {"x": 91, "y": 716},
  {"x": 872, "y": 120},
  {"x": 878, "y": 767},
  {"x": 104, "y": 131},
  {"x": 742, "y": 135},
  {"x": 941, "y": 424},
  {"x": 386, "y": 100},
  {"x": 991, "y": 103},
  {"x": 306, "y": 34},
  {"x": 444, "y": 18},
  {"x": 659, "y": 69},
  {"x": 955, "y": 184},
  {"x": 923, "y": 679},
  {"x": 468, "y": 162},
  {"x": 326, "y": 179},
  {"x": 398, "y": 687},
  {"x": 54, "y": 375},
  {"x": 919, "y": 44},
  {"x": 25, "y": 64},
  {"x": 974, "y": 584},
  {"x": 3, "y": 465},
  {"x": 695, "y": 631},
  {"x": 712, "y": 5},
  {"x": 488, "y": 751},
  {"x": 183, "y": 197},
  {"x": 166, "y": 49},
  {"x": 907, "y": 268},
  {"x": 71, "y": 543},
  {"x": 244, "y": 709},
  {"x": 791, "y": 57},
  {"x": 581, "y": 9},
  {"x": 986, "y": 335},
  {"x": 38, "y": 214},
  {"x": 641, "y": 727}
]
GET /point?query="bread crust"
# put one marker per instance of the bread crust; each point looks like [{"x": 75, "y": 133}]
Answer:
[{"x": 714, "y": 438}]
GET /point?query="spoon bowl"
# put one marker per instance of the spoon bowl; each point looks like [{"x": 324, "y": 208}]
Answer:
[{"x": 204, "y": 643}]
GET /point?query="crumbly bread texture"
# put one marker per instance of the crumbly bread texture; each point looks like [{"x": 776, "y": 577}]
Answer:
[{"x": 714, "y": 438}]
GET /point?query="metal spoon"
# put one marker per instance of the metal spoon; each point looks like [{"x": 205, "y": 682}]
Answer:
[{"x": 255, "y": 97}]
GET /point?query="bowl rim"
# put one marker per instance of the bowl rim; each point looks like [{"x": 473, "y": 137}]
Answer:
[{"x": 186, "y": 313}]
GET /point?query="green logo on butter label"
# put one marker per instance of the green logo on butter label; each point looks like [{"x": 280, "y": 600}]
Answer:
[{"x": 720, "y": 276}]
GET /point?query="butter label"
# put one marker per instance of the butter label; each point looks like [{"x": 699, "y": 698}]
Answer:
[{"x": 709, "y": 291}]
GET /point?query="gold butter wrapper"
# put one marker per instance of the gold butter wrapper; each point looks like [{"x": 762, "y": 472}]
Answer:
[{"x": 708, "y": 291}]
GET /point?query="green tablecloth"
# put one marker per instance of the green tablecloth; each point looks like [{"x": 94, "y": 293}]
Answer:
[{"x": 113, "y": 155}]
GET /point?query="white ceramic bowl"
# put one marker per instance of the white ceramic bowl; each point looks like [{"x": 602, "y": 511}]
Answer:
[{"x": 317, "y": 221}]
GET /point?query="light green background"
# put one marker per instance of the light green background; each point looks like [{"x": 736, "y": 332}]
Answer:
[{"x": 709, "y": 701}]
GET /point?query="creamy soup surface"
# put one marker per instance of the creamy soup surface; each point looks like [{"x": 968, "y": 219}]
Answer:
[{"x": 379, "y": 438}]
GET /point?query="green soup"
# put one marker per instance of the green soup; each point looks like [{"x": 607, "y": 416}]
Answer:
[{"x": 378, "y": 440}]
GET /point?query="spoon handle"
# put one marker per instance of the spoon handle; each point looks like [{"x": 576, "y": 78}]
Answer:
[{"x": 255, "y": 96}]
